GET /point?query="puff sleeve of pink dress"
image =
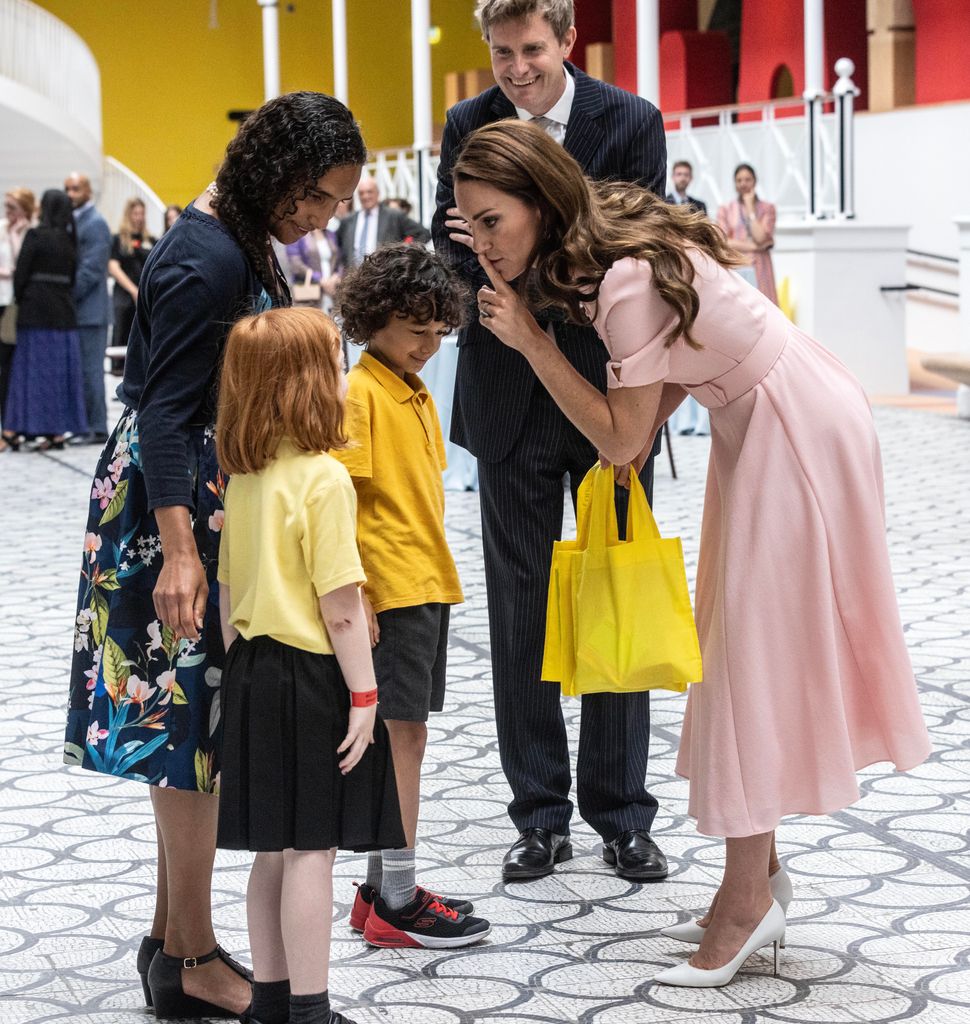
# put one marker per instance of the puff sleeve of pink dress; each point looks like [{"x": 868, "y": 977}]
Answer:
[{"x": 806, "y": 674}]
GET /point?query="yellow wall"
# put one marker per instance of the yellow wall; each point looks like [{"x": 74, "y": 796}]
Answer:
[{"x": 168, "y": 78}]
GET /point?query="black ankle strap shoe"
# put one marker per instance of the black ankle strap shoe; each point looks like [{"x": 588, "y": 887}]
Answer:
[
  {"x": 165, "y": 985},
  {"x": 146, "y": 953}
]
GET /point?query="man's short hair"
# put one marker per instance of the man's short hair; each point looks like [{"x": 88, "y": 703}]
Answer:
[
  {"x": 559, "y": 14},
  {"x": 682, "y": 163}
]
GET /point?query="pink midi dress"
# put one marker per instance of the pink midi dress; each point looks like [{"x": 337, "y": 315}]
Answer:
[{"x": 806, "y": 674}]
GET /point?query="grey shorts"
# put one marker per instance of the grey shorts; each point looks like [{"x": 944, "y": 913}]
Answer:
[{"x": 411, "y": 660}]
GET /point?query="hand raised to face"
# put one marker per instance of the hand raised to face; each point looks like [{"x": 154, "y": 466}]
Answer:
[{"x": 502, "y": 311}]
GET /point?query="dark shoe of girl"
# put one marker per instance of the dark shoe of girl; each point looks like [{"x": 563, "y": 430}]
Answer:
[
  {"x": 165, "y": 985},
  {"x": 146, "y": 953}
]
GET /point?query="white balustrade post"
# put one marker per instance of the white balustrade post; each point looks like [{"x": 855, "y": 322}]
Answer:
[
  {"x": 814, "y": 30},
  {"x": 421, "y": 92},
  {"x": 648, "y": 50},
  {"x": 339, "y": 19},
  {"x": 845, "y": 93},
  {"x": 271, "y": 48}
]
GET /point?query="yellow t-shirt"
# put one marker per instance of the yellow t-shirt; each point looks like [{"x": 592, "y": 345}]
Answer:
[
  {"x": 288, "y": 539},
  {"x": 396, "y": 457}
]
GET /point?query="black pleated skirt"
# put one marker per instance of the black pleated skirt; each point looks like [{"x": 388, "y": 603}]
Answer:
[{"x": 284, "y": 713}]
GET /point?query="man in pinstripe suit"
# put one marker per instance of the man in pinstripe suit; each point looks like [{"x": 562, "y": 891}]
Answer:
[{"x": 526, "y": 449}]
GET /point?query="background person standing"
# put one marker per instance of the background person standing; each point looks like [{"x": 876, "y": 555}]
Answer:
[
  {"x": 46, "y": 400},
  {"x": 681, "y": 175},
  {"x": 129, "y": 251},
  {"x": 373, "y": 224},
  {"x": 749, "y": 223},
  {"x": 91, "y": 300}
]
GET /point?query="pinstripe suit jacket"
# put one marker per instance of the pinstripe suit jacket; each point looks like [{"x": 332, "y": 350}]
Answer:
[{"x": 613, "y": 135}]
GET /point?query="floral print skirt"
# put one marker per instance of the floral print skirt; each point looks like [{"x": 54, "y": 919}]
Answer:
[{"x": 144, "y": 702}]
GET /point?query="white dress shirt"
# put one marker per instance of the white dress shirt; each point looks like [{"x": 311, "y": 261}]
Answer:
[
  {"x": 555, "y": 119},
  {"x": 366, "y": 220}
]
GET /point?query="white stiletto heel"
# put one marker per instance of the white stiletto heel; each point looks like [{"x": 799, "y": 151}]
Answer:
[
  {"x": 769, "y": 931},
  {"x": 691, "y": 931}
]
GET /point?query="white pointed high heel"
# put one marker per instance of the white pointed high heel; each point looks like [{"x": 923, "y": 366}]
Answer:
[
  {"x": 769, "y": 932},
  {"x": 781, "y": 891}
]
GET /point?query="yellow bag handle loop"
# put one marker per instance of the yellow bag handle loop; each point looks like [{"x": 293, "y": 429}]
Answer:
[
  {"x": 596, "y": 523},
  {"x": 640, "y": 523},
  {"x": 603, "y": 530}
]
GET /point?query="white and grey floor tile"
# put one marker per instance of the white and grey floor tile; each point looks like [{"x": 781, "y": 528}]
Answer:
[{"x": 877, "y": 930}]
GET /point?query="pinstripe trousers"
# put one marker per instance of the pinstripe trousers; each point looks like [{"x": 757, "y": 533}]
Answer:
[{"x": 522, "y": 510}]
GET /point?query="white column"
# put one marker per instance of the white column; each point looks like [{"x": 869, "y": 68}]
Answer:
[
  {"x": 271, "y": 49},
  {"x": 421, "y": 71},
  {"x": 340, "y": 88},
  {"x": 814, "y": 48},
  {"x": 648, "y": 50}
]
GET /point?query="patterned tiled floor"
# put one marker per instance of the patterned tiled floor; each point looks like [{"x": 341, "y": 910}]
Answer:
[{"x": 877, "y": 932}]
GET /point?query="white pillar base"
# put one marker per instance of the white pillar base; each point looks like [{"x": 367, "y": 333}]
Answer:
[
  {"x": 835, "y": 270},
  {"x": 963, "y": 402},
  {"x": 963, "y": 229}
]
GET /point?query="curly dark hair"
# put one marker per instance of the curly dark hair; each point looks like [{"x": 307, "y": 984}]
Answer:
[
  {"x": 277, "y": 157},
  {"x": 400, "y": 280}
]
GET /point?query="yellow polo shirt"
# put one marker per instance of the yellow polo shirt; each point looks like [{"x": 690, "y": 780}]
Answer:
[
  {"x": 288, "y": 538},
  {"x": 396, "y": 457}
]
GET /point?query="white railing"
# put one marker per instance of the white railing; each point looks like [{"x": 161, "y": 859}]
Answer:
[
  {"x": 40, "y": 53},
  {"x": 118, "y": 185},
  {"x": 407, "y": 174}
]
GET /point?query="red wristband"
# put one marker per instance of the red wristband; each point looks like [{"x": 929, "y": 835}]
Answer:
[{"x": 363, "y": 698}]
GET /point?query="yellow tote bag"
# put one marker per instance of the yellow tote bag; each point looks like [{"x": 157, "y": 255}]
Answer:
[{"x": 618, "y": 615}]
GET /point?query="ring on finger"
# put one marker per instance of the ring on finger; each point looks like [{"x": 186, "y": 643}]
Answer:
[{"x": 484, "y": 313}]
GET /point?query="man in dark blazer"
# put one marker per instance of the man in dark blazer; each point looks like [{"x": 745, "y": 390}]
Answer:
[
  {"x": 91, "y": 299},
  {"x": 360, "y": 233},
  {"x": 681, "y": 175},
  {"x": 526, "y": 448}
]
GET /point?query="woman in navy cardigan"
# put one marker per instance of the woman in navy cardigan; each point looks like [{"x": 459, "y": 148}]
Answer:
[{"x": 148, "y": 654}]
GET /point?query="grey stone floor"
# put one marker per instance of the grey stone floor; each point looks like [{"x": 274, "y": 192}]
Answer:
[{"x": 878, "y": 929}]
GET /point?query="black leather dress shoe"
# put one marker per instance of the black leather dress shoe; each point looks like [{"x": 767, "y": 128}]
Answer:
[
  {"x": 534, "y": 854},
  {"x": 636, "y": 857}
]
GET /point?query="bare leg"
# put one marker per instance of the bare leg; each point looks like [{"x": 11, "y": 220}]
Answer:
[
  {"x": 773, "y": 865},
  {"x": 743, "y": 900},
  {"x": 161, "y": 889},
  {"x": 408, "y": 743},
  {"x": 187, "y": 824},
  {"x": 263, "y": 896},
  {"x": 306, "y": 915}
]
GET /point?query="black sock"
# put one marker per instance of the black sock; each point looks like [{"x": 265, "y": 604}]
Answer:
[
  {"x": 271, "y": 1001},
  {"x": 310, "y": 1009}
]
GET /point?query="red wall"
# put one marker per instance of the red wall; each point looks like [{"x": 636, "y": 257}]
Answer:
[
  {"x": 625, "y": 44},
  {"x": 942, "y": 63},
  {"x": 695, "y": 70},
  {"x": 675, "y": 15},
  {"x": 594, "y": 24},
  {"x": 772, "y": 34}
]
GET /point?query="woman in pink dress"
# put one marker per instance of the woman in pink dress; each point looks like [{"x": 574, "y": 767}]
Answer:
[
  {"x": 749, "y": 223},
  {"x": 806, "y": 674}
]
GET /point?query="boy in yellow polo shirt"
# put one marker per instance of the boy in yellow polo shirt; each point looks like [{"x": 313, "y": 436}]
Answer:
[{"x": 399, "y": 303}]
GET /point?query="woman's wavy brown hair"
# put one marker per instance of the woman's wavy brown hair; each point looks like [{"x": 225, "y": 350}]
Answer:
[
  {"x": 585, "y": 227},
  {"x": 281, "y": 377}
]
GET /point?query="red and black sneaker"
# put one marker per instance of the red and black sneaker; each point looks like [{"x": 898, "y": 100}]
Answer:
[
  {"x": 465, "y": 907},
  {"x": 425, "y": 922},
  {"x": 364, "y": 899},
  {"x": 362, "y": 904}
]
